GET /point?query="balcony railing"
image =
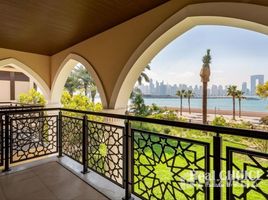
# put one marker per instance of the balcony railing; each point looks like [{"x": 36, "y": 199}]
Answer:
[
  {"x": 9, "y": 105},
  {"x": 195, "y": 162}
]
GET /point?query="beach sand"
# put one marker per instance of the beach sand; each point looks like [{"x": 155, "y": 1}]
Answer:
[
  {"x": 196, "y": 115},
  {"x": 222, "y": 112}
]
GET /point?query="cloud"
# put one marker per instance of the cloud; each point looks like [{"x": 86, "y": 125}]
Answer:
[
  {"x": 185, "y": 74},
  {"x": 217, "y": 71}
]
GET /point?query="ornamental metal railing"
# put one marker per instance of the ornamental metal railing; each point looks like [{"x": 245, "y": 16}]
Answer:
[
  {"x": 149, "y": 158},
  {"x": 10, "y": 119}
]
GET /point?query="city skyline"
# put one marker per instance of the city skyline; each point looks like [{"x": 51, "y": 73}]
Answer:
[
  {"x": 155, "y": 87},
  {"x": 233, "y": 51}
]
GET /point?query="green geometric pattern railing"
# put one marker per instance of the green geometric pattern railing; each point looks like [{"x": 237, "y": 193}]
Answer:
[
  {"x": 167, "y": 167},
  {"x": 72, "y": 132},
  {"x": 105, "y": 150},
  {"x": 248, "y": 174}
]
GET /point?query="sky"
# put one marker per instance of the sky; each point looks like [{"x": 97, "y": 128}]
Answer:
[{"x": 236, "y": 54}]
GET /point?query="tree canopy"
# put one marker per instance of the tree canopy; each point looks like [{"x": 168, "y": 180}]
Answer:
[
  {"x": 262, "y": 90},
  {"x": 207, "y": 59},
  {"x": 80, "y": 80}
]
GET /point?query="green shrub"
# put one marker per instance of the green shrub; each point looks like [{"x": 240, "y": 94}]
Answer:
[
  {"x": 32, "y": 97},
  {"x": 264, "y": 120},
  {"x": 168, "y": 115},
  {"x": 182, "y": 119},
  {"x": 166, "y": 130},
  {"x": 80, "y": 102},
  {"x": 153, "y": 109},
  {"x": 242, "y": 125},
  {"x": 219, "y": 121}
]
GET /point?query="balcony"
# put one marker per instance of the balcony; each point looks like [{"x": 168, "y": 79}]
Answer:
[{"x": 55, "y": 153}]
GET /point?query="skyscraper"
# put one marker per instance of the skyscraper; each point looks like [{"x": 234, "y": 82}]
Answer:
[
  {"x": 254, "y": 81},
  {"x": 220, "y": 91},
  {"x": 244, "y": 87},
  {"x": 214, "y": 90}
]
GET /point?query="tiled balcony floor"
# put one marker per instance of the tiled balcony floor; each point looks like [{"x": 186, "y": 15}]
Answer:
[{"x": 49, "y": 181}]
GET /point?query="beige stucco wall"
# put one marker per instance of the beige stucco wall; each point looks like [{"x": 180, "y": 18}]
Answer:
[
  {"x": 5, "y": 90},
  {"x": 40, "y": 64},
  {"x": 22, "y": 87},
  {"x": 113, "y": 52}
]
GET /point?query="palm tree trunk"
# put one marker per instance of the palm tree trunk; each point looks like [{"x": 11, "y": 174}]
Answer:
[
  {"x": 86, "y": 92},
  {"x": 239, "y": 101},
  {"x": 204, "y": 102},
  {"x": 189, "y": 104},
  {"x": 233, "y": 108},
  {"x": 93, "y": 94},
  {"x": 181, "y": 107}
]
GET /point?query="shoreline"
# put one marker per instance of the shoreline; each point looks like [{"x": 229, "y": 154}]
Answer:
[
  {"x": 219, "y": 112},
  {"x": 196, "y": 97}
]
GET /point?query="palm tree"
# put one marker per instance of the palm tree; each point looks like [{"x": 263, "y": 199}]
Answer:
[
  {"x": 205, "y": 74},
  {"x": 240, "y": 96},
  {"x": 144, "y": 76},
  {"x": 181, "y": 94},
  {"x": 93, "y": 92},
  {"x": 72, "y": 83},
  {"x": 134, "y": 92},
  {"x": 84, "y": 77},
  {"x": 138, "y": 106},
  {"x": 232, "y": 91},
  {"x": 189, "y": 95}
]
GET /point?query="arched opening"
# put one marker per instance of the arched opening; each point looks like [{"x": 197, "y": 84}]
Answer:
[
  {"x": 238, "y": 58},
  {"x": 228, "y": 14},
  {"x": 69, "y": 63},
  {"x": 26, "y": 70}
]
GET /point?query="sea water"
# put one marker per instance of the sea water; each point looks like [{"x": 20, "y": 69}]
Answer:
[{"x": 255, "y": 105}]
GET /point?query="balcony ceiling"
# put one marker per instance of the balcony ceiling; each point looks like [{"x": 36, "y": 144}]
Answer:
[{"x": 49, "y": 26}]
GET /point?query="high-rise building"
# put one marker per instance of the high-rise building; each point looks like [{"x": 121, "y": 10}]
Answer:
[
  {"x": 157, "y": 88},
  {"x": 244, "y": 88},
  {"x": 174, "y": 89},
  {"x": 196, "y": 91},
  {"x": 254, "y": 81},
  {"x": 214, "y": 90},
  {"x": 220, "y": 91},
  {"x": 162, "y": 88},
  {"x": 151, "y": 87}
]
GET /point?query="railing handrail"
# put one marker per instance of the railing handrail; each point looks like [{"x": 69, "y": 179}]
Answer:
[
  {"x": 15, "y": 102},
  {"x": 258, "y": 134},
  {"x": 17, "y": 105}
]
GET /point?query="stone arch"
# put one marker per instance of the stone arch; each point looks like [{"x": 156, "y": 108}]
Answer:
[
  {"x": 226, "y": 14},
  {"x": 64, "y": 71},
  {"x": 28, "y": 72}
]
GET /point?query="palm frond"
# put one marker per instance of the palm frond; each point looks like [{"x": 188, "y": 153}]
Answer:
[
  {"x": 207, "y": 58},
  {"x": 145, "y": 77}
]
